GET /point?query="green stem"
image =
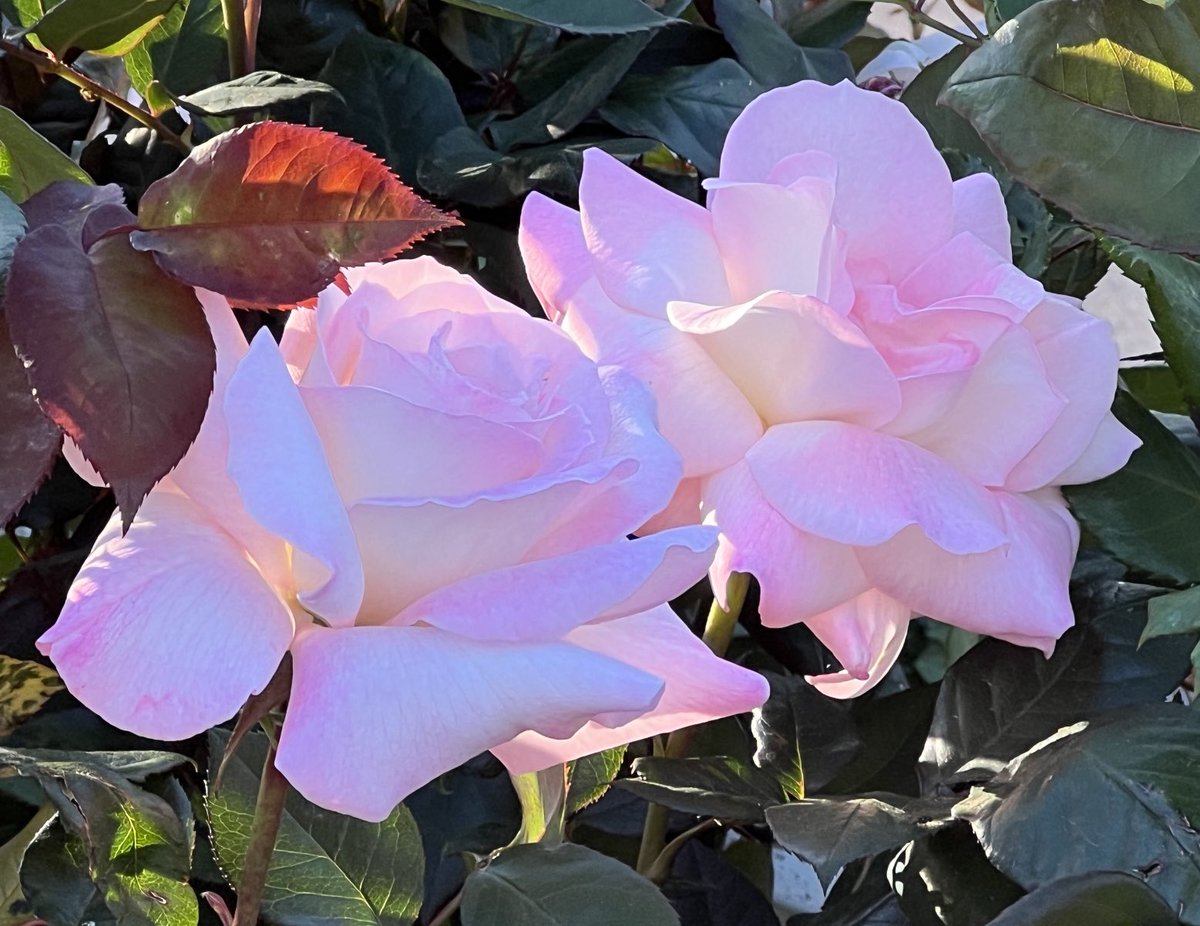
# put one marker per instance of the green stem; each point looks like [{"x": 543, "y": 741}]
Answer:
[
  {"x": 718, "y": 631},
  {"x": 268, "y": 813},
  {"x": 240, "y": 54},
  {"x": 47, "y": 65}
]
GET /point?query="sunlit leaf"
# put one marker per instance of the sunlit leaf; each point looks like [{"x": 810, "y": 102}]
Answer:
[
  {"x": 28, "y": 162},
  {"x": 184, "y": 52},
  {"x": 87, "y": 25},
  {"x": 305, "y": 202}
]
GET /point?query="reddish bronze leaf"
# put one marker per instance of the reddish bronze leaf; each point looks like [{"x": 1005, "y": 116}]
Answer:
[
  {"x": 119, "y": 354},
  {"x": 269, "y": 213},
  {"x": 29, "y": 441}
]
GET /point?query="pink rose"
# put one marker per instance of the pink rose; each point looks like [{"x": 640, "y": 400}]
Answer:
[
  {"x": 424, "y": 494},
  {"x": 874, "y": 405}
]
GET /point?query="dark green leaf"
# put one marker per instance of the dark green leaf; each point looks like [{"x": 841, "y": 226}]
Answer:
[
  {"x": 1125, "y": 790},
  {"x": 1145, "y": 513},
  {"x": 183, "y": 53},
  {"x": 612, "y": 17},
  {"x": 572, "y": 102},
  {"x": 12, "y": 857},
  {"x": 257, "y": 92},
  {"x": 893, "y": 730},
  {"x": 137, "y": 847},
  {"x": 591, "y": 776},
  {"x": 861, "y": 897},
  {"x": 802, "y": 737},
  {"x": 1172, "y": 285},
  {"x": 394, "y": 100},
  {"x": 489, "y": 45},
  {"x": 769, "y": 53},
  {"x": 829, "y": 833},
  {"x": 1098, "y": 898},
  {"x": 29, "y": 163},
  {"x": 712, "y": 786},
  {"x": 1000, "y": 699},
  {"x": 1078, "y": 101},
  {"x": 706, "y": 889},
  {"x": 689, "y": 108},
  {"x": 460, "y": 166},
  {"x": 945, "y": 879},
  {"x": 1172, "y": 614},
  {"x": 327, "y": 868},
  {"x": 564, "y": 885},
  {"x": 1155, "y": 386},
  {"x": 89, "y": 25},
  {"x": 55, "y": 882},
  {"x": 947, "y": 128}
]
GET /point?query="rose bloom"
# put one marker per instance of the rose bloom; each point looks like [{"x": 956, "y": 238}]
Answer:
[
  {"x": 874, "y": 405},
  {"x": 424, "y": 494}
]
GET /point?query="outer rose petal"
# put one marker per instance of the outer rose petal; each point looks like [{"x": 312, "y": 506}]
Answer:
[
  {"x": 795, "y": 359},
  {"x": 169, "y": 629},
  {"x": 649, "y": 245},
  {"x": 799, "y": 574},
  {"x": 1019, "y": 589},
  {"x": 979, "y": 208},
  {"x": 966, "y": 267},
  {"x": 700, "y": 411},
  {"x": 1109, "y": 450},
  {"x": 895, "y": 199},
  {"x": 699, "y": 687},
  {"x": 682, "y": 510},
  {"x": 554, "y": 251},
  {"x": 1081, "y": 361},
  {"x": 860, "y": 487},
  {"x": 545, "y": 599},
  {"x": 866, "y": 634},
  {"x": 376, "y": 712},
  {"x": 421, "y": 284},
  {"x": 278, "y": 465}
]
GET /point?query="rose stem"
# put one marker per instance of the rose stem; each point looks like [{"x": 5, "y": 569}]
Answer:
[
  {"x": 268, "y": 812},
  {"x": 718, "y": 631}
]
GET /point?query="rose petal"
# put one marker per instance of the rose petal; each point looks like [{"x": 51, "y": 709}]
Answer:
[
  {"x": 1081, "y": 362},
  {"x": 700, "y": 412},
  {"x": 699, "y": 687},
  {"x": 278, "y": 464},
  {"x": 168, "y": 630},
  {"x": 965, "y": 266},
  {"x": 866, "y": 635},
  {"x": 682, "y": 510},
  {"x": 894, "y": 200},
  {"x": 857, "y": 486},
  {"x": 554, "y": 252},
  {"x": 979, "y": 208},
  {"x": 544, "y": 599},
  {"x": 649, "y": 246},
  {"x": 1109, "y": 450},
  {"x": 1020, "y": 588},
  {"x": 799, "y": 574},
  {"x": 795, "y": 359},
  {"x": 376, "y": 712},
  {"x": 415, "y": 285}
]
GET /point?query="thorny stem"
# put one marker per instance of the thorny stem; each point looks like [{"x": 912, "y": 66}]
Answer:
[
  {"x": 447, "y": 912},
  {"x": 268, "y": 812},
  {"x": 718, "y": 631},
  {"x": 48, "y": 65}
]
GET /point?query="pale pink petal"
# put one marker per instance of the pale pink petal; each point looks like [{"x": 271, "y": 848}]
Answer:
[
  {"x": 411, "y": 546},
  {"x": 420, "y": 284},
  {"x": 278, "y": 464},
  {"x": 544, "y": 599},
  {"x": 894, "y": 200},
  {"x": 682, "y": 510},
  {"x": 753, "y": 220},
  {"x": 1109, "y": 450},
  {"x": 866, "y": 635},
  {"x": 1020, "y": 588},
  {"x": 378, "y": 444},
  {"x": 699, "y": 687},
  {"x": 795, "y": 359},
  {"x": 554, "y": 252},
  {"x": 1081, "y": 361},
  {"x": 649, "y": 246},
  {"x": 966, "y": 266},
  {"x": 856, "y": 486},
  {"x": 700, "y": 411},
  {"x": 979, "y": 208},
  {"x": 647, "y": 473},
  {"x": 168, "y": 630},
  {"x": 299, "y": 340},
  {"x": 1005, "y": 406},
  {"x": 799, "y": 574},
  {"x": 376, "y": 712}
]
